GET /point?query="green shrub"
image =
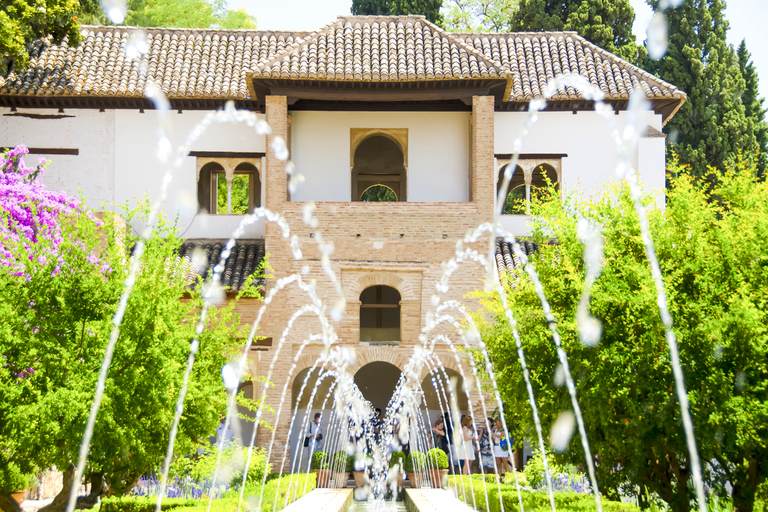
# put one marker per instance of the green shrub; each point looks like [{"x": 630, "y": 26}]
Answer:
[
  {"x": 396, "y": 457},
  {"x": 339, "y": 461},
  {"x": 533, "y": 501},
  {"x": 230, "y": 500},
  {"x": 415, "y": 462},
  {"x": 12, "y": 479},
  {"x": 436, "y": 458},
  {"x": 350, "y": 463},
  {"x": 201, "y": 467},
  {"x": 319, "y": 460},
  {"x": 534, "y": 469},
  {"x": 143, "y": 504}
]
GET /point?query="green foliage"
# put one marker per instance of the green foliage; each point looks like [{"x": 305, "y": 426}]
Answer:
[
  {"x": 350, "y": 464},
  {"x": 143, "y": 504},
  {"x": 24, "y": 21},
  {"x": 396, "y": 457},
  {"x": 319, "y": 461},
  {"x": 186, "y": 13},
  {"x": 13, "y": 479},
  {"x": 711, "y": 248},
  {"x": 57, "y": 322},
  {"x": 437, "y": 458},
  {"x": 378, "y": 193},
  {"x": 607, "y": 24},
  {"x": 533, "y": 472},
  {"x": 534, "y": 501},
  {"x": 339, "y": 461},
  {"x": 428, "y": 8},
  {"x": 712, "y": 125},
  {"x": 415, "y": 462},
  {"x": 753, "y": 106},
  {"x": 478, "y": 15}
]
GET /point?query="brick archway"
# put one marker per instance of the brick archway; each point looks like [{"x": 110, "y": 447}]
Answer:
[{"x": 407, "y": 289}]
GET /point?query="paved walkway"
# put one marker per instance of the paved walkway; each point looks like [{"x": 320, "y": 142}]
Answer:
[
  {"x": 322, "y": 500},
  {"x": 434, "y": 500}
]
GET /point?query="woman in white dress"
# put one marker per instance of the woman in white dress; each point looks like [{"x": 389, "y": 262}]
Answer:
[
  {"x": 467, "y": 450},
  {"x": 501, "y": 455}
]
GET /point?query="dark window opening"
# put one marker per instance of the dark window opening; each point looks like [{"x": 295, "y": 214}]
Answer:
[
  {"x": 378, "y": 162},
  {"x": 216, "y": 196},
  {"x": 515, "y": 202},
  {"x": 380, "y": 314}
]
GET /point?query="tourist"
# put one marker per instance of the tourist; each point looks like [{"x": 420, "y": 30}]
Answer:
[
  {"x": 466, "y": 451},
  {"x": 486, "y": 451},
  {"x": 448, "y": 427},
  {"x": 438, "y": 434},
  {"x": 377, "y": 425},
  {"x": 315, "y": 435},
  {"x": 501, "y": 455}
]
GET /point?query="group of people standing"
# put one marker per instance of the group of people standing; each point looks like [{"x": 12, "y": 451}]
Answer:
[{"x": 463, "y": 448}]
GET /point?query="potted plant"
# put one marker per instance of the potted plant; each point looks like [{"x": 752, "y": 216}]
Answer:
[
  {"x": 396, "y": 463},
  {"x": 437, "y": 464},
  {"x": 16, "y": 482},
  {"x": 359, "y": 467},
  {"x": 321, "y": 464},
  {"x": 414, "y": 468},
  {"x": 339, "y": 468}
]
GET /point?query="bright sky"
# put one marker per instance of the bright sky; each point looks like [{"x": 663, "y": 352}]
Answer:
[{"x": 747, "y": 19}]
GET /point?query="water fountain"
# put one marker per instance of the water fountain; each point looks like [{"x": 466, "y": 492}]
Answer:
[{"x": 351, "y": 412}]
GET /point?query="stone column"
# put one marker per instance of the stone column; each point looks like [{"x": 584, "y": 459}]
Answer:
[{"x": 482, "y": 181}]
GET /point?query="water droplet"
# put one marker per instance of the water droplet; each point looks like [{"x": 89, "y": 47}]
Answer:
[
  {"x": 562, "y": 430},
  {"x": 262, "y": 127},
  {"x": 656, "y": 36},
  {"x": 590, "y": 331},
  {"x": 229, "y": 377},
  {"x": 164, "y": 149},
  {"x": 115, "y": 10},
  {"x": 559, "y": 376},
  {"x": 435, "y": 300},
  {"x": 137, "y": 45},
  {"x": 741, "y": 380},
  {"x": 717, "y": 353},
  {"x": 280, "y": 149},
  {"x": 158, "y": 98},
  {"x": 307, "y": 215},
  {"x": 472, "y": 335}
]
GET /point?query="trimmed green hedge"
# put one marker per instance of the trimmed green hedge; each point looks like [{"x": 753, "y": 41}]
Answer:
[
  {"x": 226, "y": 503},
  {"x": 532, "y": 501},
  {"x": 142, "y": 504}
]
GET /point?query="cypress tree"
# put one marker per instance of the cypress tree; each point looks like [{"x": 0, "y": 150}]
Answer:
[
  {"x": 428, "y": 8},
  {"x": 753, "y": 105},
  {"x": 711, "y": 126},
  {"x": 608, "y": 24}
]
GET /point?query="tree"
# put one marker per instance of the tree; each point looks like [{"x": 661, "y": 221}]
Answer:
[
  {"x": 753, "y": 105},
  {"x": 608, "y": 24},
  {"x": 371, "y": 7},
  {"x": 479, "y": 15},
  {"x": 24, "y": 21},
  {"x": 186, "y": 13},
  {"x": 57, "y": 300},
  {"x": 428, "y": 8},
  {"x": 712, "y": 257},
  {"x": 711, "y": 127}
]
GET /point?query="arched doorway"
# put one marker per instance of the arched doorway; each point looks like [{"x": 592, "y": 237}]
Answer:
[
  {"x": 377, "y": 382},
  {"x": 378, "y": 171},
  {"x": 515, "y": 195}
]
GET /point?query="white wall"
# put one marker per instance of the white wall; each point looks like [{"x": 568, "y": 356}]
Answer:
[
  {"x": 592, "y": 153},
  {"x": 90, "y": 131},
  {"x": 438, "y": 153},
  {"x": 138, "y": 171}
]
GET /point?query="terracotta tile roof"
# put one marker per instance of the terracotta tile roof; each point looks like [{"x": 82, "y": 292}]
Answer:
[
  {"x": 381, "y": 49},
  {"x": 202, "y": 255},
  {"x": 530, "y": 59},
  {"x": 211, "y": 64},
  {"x": 187, "y": 63},
  {"x": 506, "y": 260}
]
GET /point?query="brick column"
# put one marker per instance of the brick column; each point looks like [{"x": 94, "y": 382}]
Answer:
[
  {"x": 276, "y": 188},
  {"x": 481, "y": 184}
]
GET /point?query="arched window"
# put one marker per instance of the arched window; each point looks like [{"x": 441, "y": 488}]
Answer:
[
  {"x": 378, "y": 171},
  {"x": 528, "y": 181},
  {"x": 515, "y": 202},
  {"x": 380, "y": 314},
  {"x": 237, "y": 196}
]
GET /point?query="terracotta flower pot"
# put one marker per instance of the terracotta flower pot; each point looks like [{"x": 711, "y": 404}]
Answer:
[
  {"x": 416, "y": 480},
  {"x": 437, "y": 477},
  {"x": 18, "y": 496},
  {"x": 340, "y": 480},
  {"x": 323, "y": 477},
  {"x": 359, "y": 479}
]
